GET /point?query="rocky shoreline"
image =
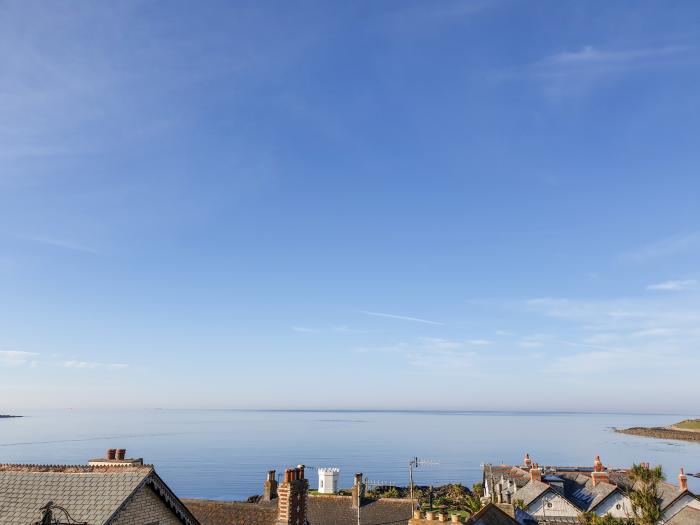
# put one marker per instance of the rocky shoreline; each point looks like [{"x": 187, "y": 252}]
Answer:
[{"x": 661, "y": 433}]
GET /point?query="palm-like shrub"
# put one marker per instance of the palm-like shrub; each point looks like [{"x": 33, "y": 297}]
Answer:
[{"x": 644, "y": 494}]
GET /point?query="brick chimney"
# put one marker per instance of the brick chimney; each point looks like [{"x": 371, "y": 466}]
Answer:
[
  {"x": 115, "y": 457},
  {"x": 292, "y": 496},
  {"x": 358, "y": 491},
  {"x": 527, "y": 462},
  {"x": 270, "y": 487},
  {"x": 535, "y": 473},
  {"x": 682, "y": 481},
  {"x": 599, "y": 474}
]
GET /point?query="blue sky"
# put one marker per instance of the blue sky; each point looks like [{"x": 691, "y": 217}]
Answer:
[{"x": 459, "y": 205}]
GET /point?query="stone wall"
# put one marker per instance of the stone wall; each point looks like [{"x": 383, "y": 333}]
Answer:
[{"x": 146, "y": 508}]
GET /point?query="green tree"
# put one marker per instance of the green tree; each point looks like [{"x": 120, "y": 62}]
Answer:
[{"x": 644, "y": 494}]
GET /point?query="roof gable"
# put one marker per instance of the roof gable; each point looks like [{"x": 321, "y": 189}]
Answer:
[
  {"x": 90, "y": 494},
  {"x": 491, "y": 515}
]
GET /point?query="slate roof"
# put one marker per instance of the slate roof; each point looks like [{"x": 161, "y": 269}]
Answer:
[
  {"x": 210, "y": 512},
  {"x": 687, "y": 516},
  {"x": 530, "y": 492},
  {"x": 579, "y": 490},
  {"x": 338, "y": 510},
  {"x": 321, "y": 510},
  {"x": 491, "y": 515},
  {"x": 520, "y": 476},
  {"x": 90, "y": 494}
]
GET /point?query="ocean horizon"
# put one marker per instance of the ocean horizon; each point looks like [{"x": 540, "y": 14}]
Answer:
[{"x": 225, "y": 453}]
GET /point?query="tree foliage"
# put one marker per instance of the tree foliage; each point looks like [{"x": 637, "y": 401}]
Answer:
[{"x": 644, "y": 494}]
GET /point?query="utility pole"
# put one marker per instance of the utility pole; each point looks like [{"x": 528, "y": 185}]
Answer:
[{"x": 411, "y": 464}]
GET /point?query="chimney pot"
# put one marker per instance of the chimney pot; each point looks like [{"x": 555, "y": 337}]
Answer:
[
  {"x": 682, "y": 481},
  {"x": 597, "y": 464},
  {"x": 121, "y": 453},
  {"x": 111, "y": 453}
]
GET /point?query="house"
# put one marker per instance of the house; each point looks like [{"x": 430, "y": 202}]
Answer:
[
  {"x": 557, "y": 494},
  {"x": 107, "y": 491},
  {"x": 290, "y": 503}
]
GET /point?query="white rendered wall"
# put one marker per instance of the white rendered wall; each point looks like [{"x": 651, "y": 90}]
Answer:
[
  {"x": 609, "y": 506},
  {"x": 559, "y": 506}
]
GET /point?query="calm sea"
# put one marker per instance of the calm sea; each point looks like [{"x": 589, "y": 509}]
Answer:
[{"x": 222, "y": 454}]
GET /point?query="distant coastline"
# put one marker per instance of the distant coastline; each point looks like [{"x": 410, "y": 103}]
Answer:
[
  {"x": 7, "y": 415},
  {"x": 688, "y": 430}
]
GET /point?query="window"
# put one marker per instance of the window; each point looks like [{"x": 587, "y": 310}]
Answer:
[{"x": 549, "y": 504}]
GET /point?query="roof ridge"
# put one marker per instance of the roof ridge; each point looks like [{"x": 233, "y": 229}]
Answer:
[{"x": 48, "y": 467}]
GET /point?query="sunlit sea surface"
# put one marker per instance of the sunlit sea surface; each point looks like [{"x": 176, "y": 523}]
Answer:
[{"x": 224, "y": 454}]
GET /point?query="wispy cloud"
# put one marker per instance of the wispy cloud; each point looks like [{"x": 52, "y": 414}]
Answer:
[
  {"x": 675, "y": 286},
  {"x": 92, "y": 365},
  {"x": 80, "y": 364},
  {"x": 345, "y": 329},
  {"x": 17, "y": 358},
  {"x": 678, "y": 244},
  {"x": 568, "y": 73},
  {"x": 21, "y": 358},
  {"x": 304, "y": 330},
  {"x": 590, "y": 55},
  {"x": 403, "y": 318},
  {"x": 61, "y": 244}
]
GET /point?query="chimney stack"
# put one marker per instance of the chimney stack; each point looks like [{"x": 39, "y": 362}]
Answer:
[
  {"x": 599, "y": 474},
  {"x": 536, "y": 473},
  {"x": 358, "y": 491},
  {"x": 527, "y": 461},
  {"x": 270, "y": 487},
  {"x": 682, "y": 481},
  {"x": 292, "y": 496}
]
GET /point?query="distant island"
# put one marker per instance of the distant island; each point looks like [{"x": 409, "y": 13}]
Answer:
[
  {"x": 7, "y": 415},
  {"x": 686, "y": 430}
]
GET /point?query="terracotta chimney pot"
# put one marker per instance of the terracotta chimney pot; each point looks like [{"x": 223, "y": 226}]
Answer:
[
  {"x": 682, "y": 481},
  {"x": 121, "y": 453},
  {"x": 597, "y": 464},
  {"x": 111, "y": 453}
]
